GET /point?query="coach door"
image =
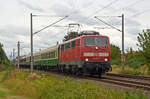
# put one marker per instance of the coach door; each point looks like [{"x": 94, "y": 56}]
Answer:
[{"x": 78, "y": 49}]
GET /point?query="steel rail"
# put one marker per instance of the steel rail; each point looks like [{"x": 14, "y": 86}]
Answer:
[{"x": 128, "y": 76}]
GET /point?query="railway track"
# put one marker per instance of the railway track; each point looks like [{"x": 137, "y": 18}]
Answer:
[
  {"x": 129, "y": 76},
  {"x": 133, "y": 81},
  {"x": 130, "y": 81}
]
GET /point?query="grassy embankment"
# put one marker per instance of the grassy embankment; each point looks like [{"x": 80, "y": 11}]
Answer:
[
  {"x": 5, "y": 92},
  {"x": 142, "y": 70},
  {"x": 38, "y": 86}
]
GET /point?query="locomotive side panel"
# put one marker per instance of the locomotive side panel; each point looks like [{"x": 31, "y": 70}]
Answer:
[{"x": 70, "y": 53}]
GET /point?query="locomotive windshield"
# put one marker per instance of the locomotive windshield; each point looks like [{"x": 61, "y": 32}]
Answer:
[{"x": 95, "y": 41}]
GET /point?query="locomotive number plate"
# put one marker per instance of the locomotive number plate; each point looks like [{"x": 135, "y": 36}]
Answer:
[{"x": 96, "y": 54}]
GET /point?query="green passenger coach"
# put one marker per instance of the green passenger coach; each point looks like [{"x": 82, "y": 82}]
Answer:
[{"x": 47, "y": 57}]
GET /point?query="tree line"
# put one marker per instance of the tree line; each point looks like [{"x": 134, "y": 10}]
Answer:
[
  {"x": 137, "y": 58},
  {"x": 3, "y": 57}
]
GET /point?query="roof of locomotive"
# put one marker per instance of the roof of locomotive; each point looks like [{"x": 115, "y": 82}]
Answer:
[{"x": 83, "y": 37}]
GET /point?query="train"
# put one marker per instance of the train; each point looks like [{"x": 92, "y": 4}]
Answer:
[{"x": 88, "y": 53}]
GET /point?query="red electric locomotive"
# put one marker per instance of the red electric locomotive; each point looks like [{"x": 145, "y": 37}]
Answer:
[{"x": 86, "y": 54}]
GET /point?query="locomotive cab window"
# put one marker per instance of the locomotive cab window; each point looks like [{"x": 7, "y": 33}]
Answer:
[
  {"x": 67, "y": 46},
  {"x": 78, "y": 43},
  {"x": 73, "y": 44},
  {"x": 62, "y": 47},
  {"x": 95, "y": 41}
]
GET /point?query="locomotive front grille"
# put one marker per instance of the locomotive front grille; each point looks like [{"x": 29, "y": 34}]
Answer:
[
  {"x": 95, "y": 54},
  {"x": 103, "y": 54}
]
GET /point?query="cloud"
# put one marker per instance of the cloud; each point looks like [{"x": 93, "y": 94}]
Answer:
[
  {"x": 130, "y": 10},
  {"x": 74, "y": 15},
  {"x": 133, "y": 31},
  {"x": 114, "y": 21},
  {"x": 10, "y": 35},
  {"x": 30, "y": 6},
  {"x": 132, "y": 23}
]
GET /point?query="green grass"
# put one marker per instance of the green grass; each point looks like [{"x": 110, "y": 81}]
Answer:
[
  {"x": 2, "y": 94},
  {"x": 143, "y": 70},
  {"x": 38, "y": 86},
  {"x": 6, "y": 93}
]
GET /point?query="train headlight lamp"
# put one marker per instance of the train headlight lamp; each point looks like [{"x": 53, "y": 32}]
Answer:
[
  {"x": 96, "y": 47},
  {"x": 106, "y": 59},
  {"x": 86, "y": 59}
]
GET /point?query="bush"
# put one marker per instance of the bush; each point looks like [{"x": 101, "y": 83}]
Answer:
[
  {"x": 148, "y": 65},
  {"x": 2, "y": 67},
  {"x": 135, "y": 60},
  {"x": 116, "y": 62},
  {"x": 115, "y": 55}
]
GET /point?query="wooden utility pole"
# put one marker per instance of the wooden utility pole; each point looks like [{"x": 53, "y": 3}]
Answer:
[
  {"x": 18, "y": 58},
  {"x": 123, "y": 56},
  {"x": 31, "y": 64}
]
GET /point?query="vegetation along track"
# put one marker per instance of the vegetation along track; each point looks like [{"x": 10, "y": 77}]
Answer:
[{"x": 117, "y": 79}]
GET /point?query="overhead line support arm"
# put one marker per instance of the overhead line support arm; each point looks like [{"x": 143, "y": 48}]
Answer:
[{"x": 50, "y": 25}]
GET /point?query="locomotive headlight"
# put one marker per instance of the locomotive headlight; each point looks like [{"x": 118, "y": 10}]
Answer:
[
  {"x": 86, "y": 59},
  {"x": 106, "y": 59},
  {"x": 96, "y": 47}
]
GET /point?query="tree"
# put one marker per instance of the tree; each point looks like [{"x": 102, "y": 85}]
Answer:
[
  {"x": 4, "y": 63},
  {"x": 115, "y": 54},
  {"x": 144, "y": 44},
  {"x": 3, "y": 57},
  {"x": 115, "y": 51},
  {"x": 129, "y": 50},
  {"x": 70, "y": 35}
]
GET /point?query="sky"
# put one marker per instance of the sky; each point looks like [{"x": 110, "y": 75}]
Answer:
[{"x": 15, "y": 21}]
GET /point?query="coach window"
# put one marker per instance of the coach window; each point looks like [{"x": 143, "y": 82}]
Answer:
[
  {"x": 78, "y": 42},
  {"x": 42, "y": 56},
  {"x": 62, "y": 47},
  {"x": 52, "y": 54},
  {"x": 73, "y": 44},
  {"x": 67, "y": 46}
]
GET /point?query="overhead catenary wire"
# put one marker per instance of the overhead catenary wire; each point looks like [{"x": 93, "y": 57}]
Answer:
[
  {"x": 47, "y": 15},
  {"x": 132, "y": 4},
  {"x": 140, "y": 13},
  {"x": 50, "y": 25},
  {"x": 128, "y": 6},
  {"x": 108, "y": 5},
  {"x": 107, "y": 24}
]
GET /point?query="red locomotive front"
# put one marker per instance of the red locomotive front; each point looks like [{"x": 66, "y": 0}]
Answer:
[
  {"x": 86, "y": 54},
  {"x": 95, "y": 52}
]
